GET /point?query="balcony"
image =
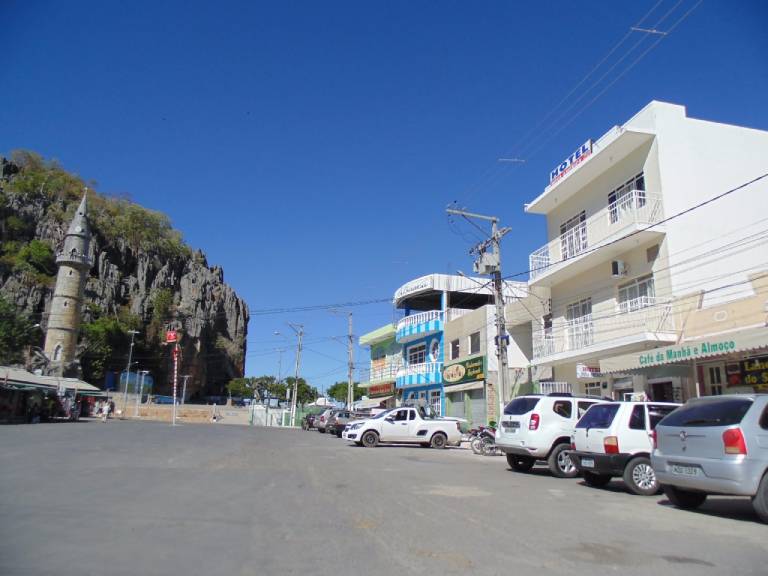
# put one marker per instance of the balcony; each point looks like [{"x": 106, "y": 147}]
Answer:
[
  {"x": 599, "y": 238},
  {"x": 423, "y": 324},
  {"x": 417, "y": 374},
  {"x": 386, "y": 373},
  {"x": 633, "y": 323},
  {"x": 75, "y": 259}
]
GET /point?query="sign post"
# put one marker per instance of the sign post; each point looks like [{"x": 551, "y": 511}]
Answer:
[{"x": 172, "y": 337}]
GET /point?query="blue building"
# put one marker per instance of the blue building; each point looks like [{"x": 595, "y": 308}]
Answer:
[{"x": 428, "y": 303}]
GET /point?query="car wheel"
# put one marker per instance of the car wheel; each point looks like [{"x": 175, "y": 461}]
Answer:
[
  {"x": 640, "y": 477},
  {"x": 321, "y": 430},
  {"x": 684, "y": 498},
  {"x": 560, "y": 464},
  {"x": 370, "y": 439},
  {"x": 760, "y": 500},
  {"x": 596, "y": 480},
  {"x": 338, "y": 434},
  {"x": 439, "y": 440},
  {"x": 520, "y": 463}
]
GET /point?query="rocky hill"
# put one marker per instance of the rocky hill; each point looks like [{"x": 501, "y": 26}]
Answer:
[{"x": 144, "y": 277}]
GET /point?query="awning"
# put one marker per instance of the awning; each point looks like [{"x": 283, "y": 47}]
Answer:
[
  {"x": 19, "y": 377},
  {"x": 372, "y": 402},
  {"x": 739, "y": 341},
  {"x": 465, "y": 386}
]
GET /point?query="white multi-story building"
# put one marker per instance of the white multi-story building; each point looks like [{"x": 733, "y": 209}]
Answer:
[{"x": 631, "y": 259}]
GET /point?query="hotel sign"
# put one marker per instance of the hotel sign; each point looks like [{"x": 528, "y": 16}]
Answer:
[
  {"x": 465, "y": 371},
  {"x": 581, "y": 154}
]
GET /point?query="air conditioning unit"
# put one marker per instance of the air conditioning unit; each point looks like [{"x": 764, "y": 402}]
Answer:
[{"x": 618, "y": 268}]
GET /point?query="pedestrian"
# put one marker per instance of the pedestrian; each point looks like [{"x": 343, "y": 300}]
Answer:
[{"x": 105, "y": 411}]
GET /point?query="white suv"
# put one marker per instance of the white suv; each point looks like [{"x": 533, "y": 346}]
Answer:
[
  {"x": 537, "y": 427},
  {"x": 615, "y": 439}
]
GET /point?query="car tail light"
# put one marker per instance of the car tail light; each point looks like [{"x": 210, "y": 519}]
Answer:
[
  {"x": 322, "y": 418},
  {"x": 733, "y": 441},
  {"x": 534, "y": 423},
  {"x": 654, "y": 439},
  {"x": 573, "y": 443},
  {"x": 611, "y": 445}
]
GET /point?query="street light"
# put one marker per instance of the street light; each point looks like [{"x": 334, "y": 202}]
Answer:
[
  {"x": 128, "y": 370},
  {"x": 299, "y": 330}
]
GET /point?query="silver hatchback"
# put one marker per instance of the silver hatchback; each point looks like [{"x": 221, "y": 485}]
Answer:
[{"x": 715, "y": 445}]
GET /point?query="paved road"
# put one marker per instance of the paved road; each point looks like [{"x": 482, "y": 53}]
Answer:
[{"x": 129, "y": 498}]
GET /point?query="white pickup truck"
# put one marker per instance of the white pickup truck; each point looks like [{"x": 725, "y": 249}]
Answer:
[{"x": 405, "y": 425}]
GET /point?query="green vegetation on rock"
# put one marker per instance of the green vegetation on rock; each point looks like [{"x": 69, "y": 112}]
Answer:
[{"x": 16, "y": 332}]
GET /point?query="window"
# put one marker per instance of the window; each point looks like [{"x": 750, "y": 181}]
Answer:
[
  {"x": 584, "y": 406},
  {"x": 520, "y": 406},
  {"x": 599, "y": 416},
  {"x": 573, "y": 236},
  {"x": 714, "y": 375},
  {"x": 593, "y": 389},
  {"x": 412, "y": 415},
  {"x": 764, "y": 419},
  {"x": 563, "y": 408},
  {"x": 716, "y": 390},
  {"x": 401, "y": 415},
  {"x": 637, "y": 294},
  {"x": 657, "y": 411},
  {"x": 57, "y": 353},
  {"x": 720, "y": 412},
  {"x": 626, "y": 198},
  {"x": 579, "y": 324},
  {"x": 637, "y": 418},
  {"x": 417, "y": 354},
  {"x": 474, "y": 343},
  {"x": 455, "y": 353},
  {"x": 434, "y": 402}
]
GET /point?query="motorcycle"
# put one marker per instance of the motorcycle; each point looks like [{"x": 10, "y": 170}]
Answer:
[{"x": 481, "y": 437}]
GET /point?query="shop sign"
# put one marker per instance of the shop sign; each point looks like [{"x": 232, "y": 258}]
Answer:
[
  {"x": 171, "y": 336},
  {"x": 686, "y": 352},
  {"x": 381, "y": 390},
  {"x": 414, "y": 286},
  {"x": 581, "y": 154},
  {"x": 465, "y": 371},
  {"x": 752, "y": 372},
  {"x": 584, "y": 371}
]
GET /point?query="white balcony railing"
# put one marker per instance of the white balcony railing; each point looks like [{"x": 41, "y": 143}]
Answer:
[
  {"x": 632, "y": 318},
  {"x": 636, "y": 207},
  {"x": 417, "y": 369},
  {"x": 420, "y": 318},
  {"x": 383, "y": 373}
]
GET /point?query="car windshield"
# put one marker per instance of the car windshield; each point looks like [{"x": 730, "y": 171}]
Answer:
[
  {"x": 720, "y": 412},
  {"x": 598, "y": 416},
  {"x": 520, "y": 406}
]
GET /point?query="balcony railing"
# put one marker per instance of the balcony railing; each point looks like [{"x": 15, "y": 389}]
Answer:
[
  {"x": 636, "y": 207},
  {"x": 420, "y": 318},
  {"x": 419, "y": 369},
  {"x": 73, "y": 257},
  {"x": 634, "y": 317},
  {"x": 383, "y": 373}
]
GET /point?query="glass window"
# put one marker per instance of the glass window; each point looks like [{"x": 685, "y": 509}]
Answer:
[
  {"x": 563, "y": 408},
  {"x": 657, "y": 411},
  {"x": 599, "y": 416},
  {"x": 417, "y": 354},
  {"x": 455, "y": 349},
  {"x": 474, "y": 343},
  {"x": 584, "y": 406},
  {"x": 401, "y": 415},
  {"x": 520, "y": 406},
  {"x": 573, "y": 236},
  {"x": 764, "y": 419},
  {"x": 411, "y": 414},
  {"x": 627, "y": 197},
  {"x": 592, "y": 389},
  {"x": 637, "y": 294},
  {"x": 721, "y": 412},
  {"x": 579, "y": 324},
  {"x": 637, "y": 418}
]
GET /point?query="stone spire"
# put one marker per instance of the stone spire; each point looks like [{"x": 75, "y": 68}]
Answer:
[{"x": 74, "y": 263}]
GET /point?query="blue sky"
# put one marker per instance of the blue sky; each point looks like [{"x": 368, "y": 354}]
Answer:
[{"x": 310, "y": 148}]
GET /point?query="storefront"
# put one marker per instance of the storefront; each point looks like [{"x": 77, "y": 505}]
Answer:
[
  {"x": 380, "y": 396},
  {"x": 465, "y": 390},
  {"x": 730, "y": 363}
]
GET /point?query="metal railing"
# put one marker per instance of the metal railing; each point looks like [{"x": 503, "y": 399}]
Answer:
[
  {"x": 555, "y": 387},
  {"x": 636, "y": 207},
  {"x": 639, "y": 316},
  {"x": 386, "y": 372},
  {"x": 420, "y": 318},
  {"x": 417, "y": 369},
  {"x": 79, "y": 258}
]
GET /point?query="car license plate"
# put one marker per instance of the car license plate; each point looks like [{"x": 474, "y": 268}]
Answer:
[
  {"x": 685, "y": 470},
  {"x": 587, "y": 463}
]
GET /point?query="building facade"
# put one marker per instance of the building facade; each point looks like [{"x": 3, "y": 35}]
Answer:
[
  {"x": 386, "y": 359},
  {"x": 634, "y": 263}
]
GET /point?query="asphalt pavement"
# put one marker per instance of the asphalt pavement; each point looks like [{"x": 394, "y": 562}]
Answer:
[{"x": 142, "y": 498}]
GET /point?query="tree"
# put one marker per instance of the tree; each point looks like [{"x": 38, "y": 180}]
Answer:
[
  {"x": 103, "y": 338},
  {"x": 306, "y": 393},
  {"x": 339, "y": 391},
  {"x": 16, "y": 332},
  {"x": 240, "y": 387}
]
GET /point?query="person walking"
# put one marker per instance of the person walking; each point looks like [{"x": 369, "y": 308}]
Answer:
[{"x": 105, "y": 411}]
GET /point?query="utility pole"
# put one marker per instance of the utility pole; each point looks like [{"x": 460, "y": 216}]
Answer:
[
  {"x": 128, "y": 371},
  {"x": 490, "y": 264},
  {"x": 299, "y": 329},
  {"x": 350, "y": 367},
  {"x": 184, "y": 388}
]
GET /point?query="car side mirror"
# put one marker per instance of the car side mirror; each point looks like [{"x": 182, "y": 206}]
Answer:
[{"x": 389, "y": 419}]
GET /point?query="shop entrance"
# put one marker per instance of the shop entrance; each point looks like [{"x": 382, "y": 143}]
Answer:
[{"x": 662, "y": 392}]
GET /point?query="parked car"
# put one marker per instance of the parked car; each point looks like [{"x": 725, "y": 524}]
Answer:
[
  {"x": 538, "y": 427},
  {"x": 407, "y": 425},
  {"x": 308, "y": 421},
  {"x": 614, "y": 439},
  {"x": 339, "y": 420},
  {"x": 321, "y": 421},
  {"x": 715, "y": 445}
]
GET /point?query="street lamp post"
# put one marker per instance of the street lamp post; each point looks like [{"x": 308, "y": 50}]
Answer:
[
  {"x": 299, "y": 329},
  {"x": 128, "y": 370}
]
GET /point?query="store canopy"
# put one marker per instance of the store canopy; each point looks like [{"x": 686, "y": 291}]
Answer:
[
  {"x": 462, "y": 387},
  {"x": 371, "y": 402},
  {"x": 740, "y": 341},
  {"x": 18, "y": 377}
]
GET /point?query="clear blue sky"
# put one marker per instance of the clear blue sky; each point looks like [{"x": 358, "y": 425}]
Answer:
[{"x": 310, "y": 148}]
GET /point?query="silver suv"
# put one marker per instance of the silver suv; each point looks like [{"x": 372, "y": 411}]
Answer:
[
  {"x": 537, "y": 427},
  {"x": 715, "y": 445}
]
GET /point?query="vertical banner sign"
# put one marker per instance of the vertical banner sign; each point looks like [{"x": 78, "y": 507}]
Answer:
[{"x": 171, "y": 336}]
